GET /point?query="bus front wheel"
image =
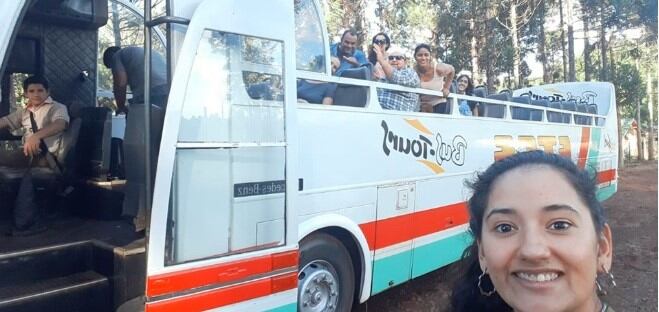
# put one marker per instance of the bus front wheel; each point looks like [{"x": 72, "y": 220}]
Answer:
[{"x": 326, "y": 279}]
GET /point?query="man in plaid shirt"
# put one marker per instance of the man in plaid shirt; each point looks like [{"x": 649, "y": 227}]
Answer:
[{"x": 396, "y": 71}]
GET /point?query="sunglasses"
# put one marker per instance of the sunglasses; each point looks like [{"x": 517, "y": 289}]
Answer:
[
  {"x": 380, "y": 41},
  {"x": 396, "y": 57}
]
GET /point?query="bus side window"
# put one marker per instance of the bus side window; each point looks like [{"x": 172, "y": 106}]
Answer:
[{"x": 309, "y": 47}]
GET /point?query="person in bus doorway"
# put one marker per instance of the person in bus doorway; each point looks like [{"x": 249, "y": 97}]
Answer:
[
  {"x": 434, "y": 76},
  {"x": 466, "y": 87},
  {"x": 382, "y": 40},
  {"x": 347, "y": 53},
  {"x": 50, "y": 120},
  {"x": 396, "y": 71},
  {"x": 127, "y": 65},
  {"x": 541, "y": 241},
  {"x": 43, "y": 122}
]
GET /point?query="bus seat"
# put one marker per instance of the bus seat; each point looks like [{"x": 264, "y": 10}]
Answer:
[
  {"x": 592, "y": 109},
  {"x": 536, "y": 115},
  {"x": 351, "y": 95},
  {"x": 134, "y": 163},
  {"x": 95, "y": 141},
  {"x": 520, "y": 113},
  {"x": 582, "y": 120},
  {"x": 453, "y": 88},
  {"x": 555, "y": 116},
  {"x": 46, "y": 180},
  {"x": 480, "y": 91},
  {"x": 495, "y": 110},
  {"x": 570, "y": 105},
  {"x": 500, "y": 97}
]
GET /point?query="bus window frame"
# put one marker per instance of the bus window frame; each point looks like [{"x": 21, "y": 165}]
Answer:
[{"x": 452, "y": 98}]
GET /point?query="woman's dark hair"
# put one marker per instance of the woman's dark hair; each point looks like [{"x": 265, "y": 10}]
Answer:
[
  {"x": 466, "y": 295},
  {"x": 422, "y": 46},
  {"x": 470, "y": 84},
  {"x": 371, "y": 55}
]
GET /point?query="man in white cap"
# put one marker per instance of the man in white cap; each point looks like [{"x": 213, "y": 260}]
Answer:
[{"x": 395, "y": 68}]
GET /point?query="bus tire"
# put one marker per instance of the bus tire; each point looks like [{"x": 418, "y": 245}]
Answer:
[{"x": 326, "y": 278}]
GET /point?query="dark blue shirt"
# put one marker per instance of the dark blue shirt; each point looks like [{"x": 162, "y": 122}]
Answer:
[{"x": 358, "y": 55}]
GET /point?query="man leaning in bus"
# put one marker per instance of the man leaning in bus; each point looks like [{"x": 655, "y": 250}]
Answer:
[
  {"x": 396, "y": 71},
  {"x": 346, "y": 52}
]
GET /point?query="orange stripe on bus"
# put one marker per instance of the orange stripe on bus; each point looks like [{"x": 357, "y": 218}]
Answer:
[
  {"x": 583, "y": 147},
  {"x": 225, "y": 296},
  {"x": 221, "y": 273},
  {"x": 606, "y": 176},
  {"x": 391, "y": 231}
]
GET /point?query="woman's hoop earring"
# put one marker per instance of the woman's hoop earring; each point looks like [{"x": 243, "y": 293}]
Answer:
[
  {"x": 610, "y": 283},
  {"x": 480, "y": 288}
]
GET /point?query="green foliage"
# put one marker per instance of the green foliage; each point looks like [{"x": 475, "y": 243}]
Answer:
[{"x": 630, "y": 88}]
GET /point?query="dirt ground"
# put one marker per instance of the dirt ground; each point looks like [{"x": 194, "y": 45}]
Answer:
[{"x": 632, "y": 213}]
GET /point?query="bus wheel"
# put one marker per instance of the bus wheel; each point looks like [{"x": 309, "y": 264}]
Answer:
[{"x": 326, "y": 280}]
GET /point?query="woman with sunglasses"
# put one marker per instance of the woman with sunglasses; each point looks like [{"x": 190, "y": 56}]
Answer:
[
  {"x": 434, "y": 76},
  {"x": 382, "y": 40}
]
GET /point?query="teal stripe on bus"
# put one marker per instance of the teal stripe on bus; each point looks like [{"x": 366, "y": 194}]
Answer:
[
  {"x": 401, "y": 267},
  {"x": 291, "y": 307},
  {"x": 593, "y": 153},
  {"x": 391, "y": 271},
  {"x": 435, "y": 255},
  {"x": 606, "y": 192}
]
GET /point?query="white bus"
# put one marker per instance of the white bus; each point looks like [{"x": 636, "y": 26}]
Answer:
[{"x": 261, "y": 202}]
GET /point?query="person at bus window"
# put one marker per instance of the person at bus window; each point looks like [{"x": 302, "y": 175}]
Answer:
[
  {"x": 316, "y": 92},
  {"x": 51, "y": 119},
  {"x": 396, "y": 71},
  {"x": 541, "y": 241},
  {"x": 271, "y": 89},
  {"x": 127, "y": 65},
  {"x": 466, "y": 87},
  {"x": 380, "y": 39},
  {"x": 347, "y": 53},
  {"x": 434, "y": 76}
]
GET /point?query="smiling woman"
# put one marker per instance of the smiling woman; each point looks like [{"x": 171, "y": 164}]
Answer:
[{"x": 541, "y": 239}]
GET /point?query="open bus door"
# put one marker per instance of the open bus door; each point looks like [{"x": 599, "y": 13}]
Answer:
[{"x": 223, "y": 229}]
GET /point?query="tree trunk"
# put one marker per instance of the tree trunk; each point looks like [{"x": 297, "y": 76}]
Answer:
[
  {"x": 546, "y": 69},
  {"x": 604, "y": 72},
  {"x": 651, "y": 123},
  {"x": 572, "y": 75},
  {"x": 639, "y": 131},
  {"x": 491, "y": 13},
  {"x": 587, "y": 67},
  {"x": 474, "y": 53},
  {"x": 621, "y": 155},
  {"x": 563, "y": 50},
  {"x": 513, "y": 34}
]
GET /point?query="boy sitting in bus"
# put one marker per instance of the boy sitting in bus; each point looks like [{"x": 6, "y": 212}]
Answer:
[
  {"x": 43, "y": 121},
  {"x": 396, "y": 71}
]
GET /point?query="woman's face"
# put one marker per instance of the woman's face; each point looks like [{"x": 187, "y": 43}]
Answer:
[
  {"x": 422, "y": 57},
  {"x": 381, "y": 41},
  {"x": 463, "y": 82},
  {"x": 538, "y": 242}
]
